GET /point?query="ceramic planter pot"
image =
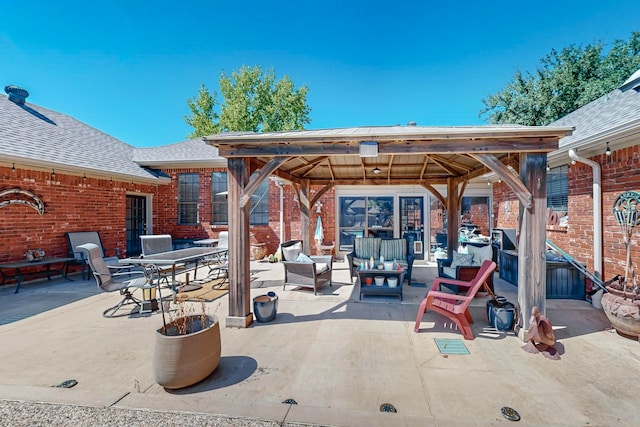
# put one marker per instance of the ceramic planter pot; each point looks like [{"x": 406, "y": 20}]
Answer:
[
  {"x": 183, "y": 360},
  {"x": 623, "y": 313}
]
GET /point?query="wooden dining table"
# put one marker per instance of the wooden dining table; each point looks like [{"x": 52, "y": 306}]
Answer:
[{"x": 187, "y": 256}]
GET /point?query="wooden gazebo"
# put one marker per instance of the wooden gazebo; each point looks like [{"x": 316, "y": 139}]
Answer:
[{"x": 428, "y": 156}]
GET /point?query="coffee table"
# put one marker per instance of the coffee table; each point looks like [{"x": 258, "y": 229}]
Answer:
[{"x": 385, "y": 289}]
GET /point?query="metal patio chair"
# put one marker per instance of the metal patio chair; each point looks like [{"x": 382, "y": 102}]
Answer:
[{"x": 109, "y": 279}]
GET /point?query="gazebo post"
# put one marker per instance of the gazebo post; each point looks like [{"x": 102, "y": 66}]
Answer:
[
  {"x": 532, "y": 267},
  {"x": 240, "y": 315},
  {"x": 305, "y": 211},
  {"x": 453, "y": 215}
]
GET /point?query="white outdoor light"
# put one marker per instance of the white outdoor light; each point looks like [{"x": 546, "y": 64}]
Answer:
[{"x": 368, "y": 149}]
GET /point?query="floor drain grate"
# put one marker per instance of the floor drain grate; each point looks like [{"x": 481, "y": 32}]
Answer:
[
  {"x": 510, "y": 413},
  {"x": 290, "y": 402},
  {"x": 451, "y": 346},
  {"x": 387, "y": 407}
]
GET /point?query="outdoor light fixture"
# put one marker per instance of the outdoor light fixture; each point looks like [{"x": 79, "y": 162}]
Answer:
[
  {"x": 53, "y": 174},
  {"x": 548, "y": 168},
  {"x": 149, "y": 301},
  {"x": 13, "y": 168},
  {"x": 499, "y": 180},
  {"x": 368, "y": 149},
  {"x": 573, "y": 162},
  {"x": 84, "y": 177},
  {"x": 608, "y": 150},
  {"x": 376, "y": 170}
]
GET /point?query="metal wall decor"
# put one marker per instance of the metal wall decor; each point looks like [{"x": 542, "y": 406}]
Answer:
[{"x": 19, "y": 196}]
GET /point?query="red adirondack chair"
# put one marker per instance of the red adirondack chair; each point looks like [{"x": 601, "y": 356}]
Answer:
[{"x": 455, "y": 307}]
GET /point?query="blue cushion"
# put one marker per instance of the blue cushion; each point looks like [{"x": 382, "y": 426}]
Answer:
[
  {"x": 304, "y": 258},
  {"x": 464, "y": 260}
]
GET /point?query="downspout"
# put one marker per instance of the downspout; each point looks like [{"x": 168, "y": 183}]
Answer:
[
  {"x": 597, "y": 211},
  {"x": 280, "y": 185}
]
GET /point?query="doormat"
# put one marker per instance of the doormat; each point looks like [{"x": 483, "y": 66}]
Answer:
[
  {"x": 209, "y": 291},
  {"x": 451, "y": 346},
  {"x": 418, "y": 285}
]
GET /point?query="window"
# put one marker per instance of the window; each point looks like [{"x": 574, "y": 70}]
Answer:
[
  {"x": 558, "y": 189},
  {"x": 475, "y": 214},
  {"x": 188, "y": 189},
  {"x": 219, "y": 212},
  {"x": 364, "y": 216},
  {"x": 259, "y": 209}
]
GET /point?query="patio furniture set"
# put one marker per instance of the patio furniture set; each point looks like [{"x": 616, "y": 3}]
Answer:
[{"x": 160, "y": 263}]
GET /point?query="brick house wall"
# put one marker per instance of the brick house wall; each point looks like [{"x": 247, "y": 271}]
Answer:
[
  {"x": 165, "y": 213},
  {"x": 72, "y": 203},
  {"x": 619, "y": 173}
]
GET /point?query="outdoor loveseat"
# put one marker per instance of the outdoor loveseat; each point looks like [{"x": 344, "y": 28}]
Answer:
[
  {"x": 303, "y": 270},
  {"x": 465, "y": 266},
  {"x": 391, "y": 249}
]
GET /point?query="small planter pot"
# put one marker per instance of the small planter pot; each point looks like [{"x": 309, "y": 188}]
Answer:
[
  {"x": 183, "y": 360},
  {"x": 623, "y": 313},
  {"x": 265, "y": 307},
  {"x": 501, "y": 314}
]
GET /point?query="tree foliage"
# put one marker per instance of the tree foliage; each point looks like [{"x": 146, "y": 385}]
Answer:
[
  {"x": 252, "y": 100},
  {"x": 564, "y": 82}
]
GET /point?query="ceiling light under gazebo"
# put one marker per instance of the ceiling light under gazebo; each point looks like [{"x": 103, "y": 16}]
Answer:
[{"x": 376, "y": 170}]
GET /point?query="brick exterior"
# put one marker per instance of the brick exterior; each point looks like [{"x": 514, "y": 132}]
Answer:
[
  {"x": 73, "y": 203},
  {"x": 619, "y": 174}
]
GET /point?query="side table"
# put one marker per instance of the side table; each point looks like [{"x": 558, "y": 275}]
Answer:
[{"x": 385, "y": 289}]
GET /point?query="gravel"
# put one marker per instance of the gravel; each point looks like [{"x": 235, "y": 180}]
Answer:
[{"x": 17, "y": 414}]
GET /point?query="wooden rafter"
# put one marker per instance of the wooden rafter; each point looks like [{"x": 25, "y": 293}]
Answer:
[
  {"x": 425, "y": 163},
  {"x": 445, "y": 166}
]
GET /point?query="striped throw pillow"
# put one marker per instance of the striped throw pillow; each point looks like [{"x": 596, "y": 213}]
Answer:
[
  {"x": 367, "y": 247},
  {"x": 394, "y": 249}
]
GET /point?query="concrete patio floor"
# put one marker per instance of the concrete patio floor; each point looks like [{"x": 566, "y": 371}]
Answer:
[{"x": 339, "y": 358}]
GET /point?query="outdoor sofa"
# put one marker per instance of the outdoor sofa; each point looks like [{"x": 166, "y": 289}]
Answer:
[{"x": 391, "y": 249}]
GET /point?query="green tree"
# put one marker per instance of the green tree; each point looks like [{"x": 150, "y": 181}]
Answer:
[
  {"x": 252, "y": 100},
  {"x": 564, "y": 82}
]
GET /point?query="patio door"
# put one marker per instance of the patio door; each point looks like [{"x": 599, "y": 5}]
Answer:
[
  {"x": 136, "y": 223},
  {"x": 412, "y": 223}
]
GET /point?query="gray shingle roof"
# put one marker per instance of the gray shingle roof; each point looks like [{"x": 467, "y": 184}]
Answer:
[
  {"x": 194, "y": 151},
  {"x": 602, "y": 116},
  {"x": 37, "y": 134}
]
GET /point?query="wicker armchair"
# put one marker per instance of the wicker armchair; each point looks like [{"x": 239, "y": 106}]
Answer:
[{"x": 302, "y": 270}]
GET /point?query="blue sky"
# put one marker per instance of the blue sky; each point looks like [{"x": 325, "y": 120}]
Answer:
[{"x": 128, "y": 67}]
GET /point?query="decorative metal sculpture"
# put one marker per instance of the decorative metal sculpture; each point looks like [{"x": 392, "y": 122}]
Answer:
[
  {"x": 21, "y": 197},
  {"x": 625, "y": 210}
]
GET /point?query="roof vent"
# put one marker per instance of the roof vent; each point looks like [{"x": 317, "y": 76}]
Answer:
[{"x": 16, "y": 94}]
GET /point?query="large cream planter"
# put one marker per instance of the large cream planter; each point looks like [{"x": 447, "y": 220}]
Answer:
[
  {"x": 623, "y": 313},
  {"x": 183, "y": 360}
]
